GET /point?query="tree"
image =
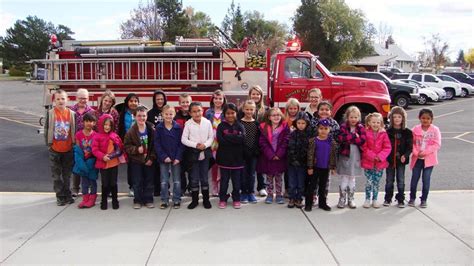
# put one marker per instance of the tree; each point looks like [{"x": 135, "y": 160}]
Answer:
[
  {"x": 390, "y": 40},
  {"x": 233, "y": 25},
  {"x": 469, "y": 58},
  {"x": 200, "y": 24},
  {"x": 435, "y": 52},
  {"x": 145, "y": 22},
  {"x": 333, "y": 31},
  {"x": 174, "y": 21},
  {"x": 30, "y": 39},
  {"x": 460, "y": 59},
  {"x": 383, "y": 32},
  {"x": 265, "y": 34}
]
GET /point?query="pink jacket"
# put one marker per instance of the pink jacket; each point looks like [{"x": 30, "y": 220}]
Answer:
[
  {"x": 100, "y": 143},
  {"x": 433, "y": 144},
  {"x": 375, "y": 145}
]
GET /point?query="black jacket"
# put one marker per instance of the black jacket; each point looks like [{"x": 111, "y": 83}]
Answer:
[
  {"x": 154, "y": 116},
  {"x": 298, "y": 148},
  {"x": 230, "y": 152},
  {"x": 402, "y": 144}
]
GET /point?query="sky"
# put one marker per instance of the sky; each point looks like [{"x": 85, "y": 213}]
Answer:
[{"x": 410, "y": 20}]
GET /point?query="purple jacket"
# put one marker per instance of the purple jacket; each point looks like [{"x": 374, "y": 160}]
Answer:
[{"x": 265, "y": 164}]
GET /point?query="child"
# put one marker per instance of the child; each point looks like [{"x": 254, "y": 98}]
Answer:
[
  {"x": 274, "y": 134},
  {"x": 374, "y": 157},
  {"x": 107, "y": 147},
  {"x": 230, "y": 155},
  {"x": 84, "y": 161},
  {"x": 169, "y": 151},
  {"x": 139, "y": 145},
  {"x": 401, "y": 139},
  {"x": 426, "y": 143},
  {"x": 351, "y": 137},
  {"x": 181, "y": 117},
  {"x": 155, "y": 117},
  {"x": 198, "y": 136},
  {"x": 215, "y": 115},
  {"x": 291, "y": 110},
  {"x": 251, "y": 152},
  {"x": 314, "y": 97},
  {"x": 80, "y": 109},
  {"x": 106, "y": 106},
  {"x": 297, "y": 159},
  {"x": 127, "y": 119},
  {"x": 59, "y": 130},
  {"x": 321, "y": 160}
]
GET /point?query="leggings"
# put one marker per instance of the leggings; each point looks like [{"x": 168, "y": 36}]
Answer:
[{"x": 372, "y": 186}]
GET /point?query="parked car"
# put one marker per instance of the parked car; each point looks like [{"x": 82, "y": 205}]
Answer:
[
  {"x": 401, "y": 94},
  {"x": 452, "y": 88},
  {"x": 465, "y": 87},
  {"x": 471, "y": 75},
  {"x": 440, "y": 92},
  {"x": 461, "y": 77},
  {"x": 426, "y": 95}
]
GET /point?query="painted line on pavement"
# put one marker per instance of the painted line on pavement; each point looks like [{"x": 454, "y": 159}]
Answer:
[
  {"x": 19, "y": 122},
  {"x": 441, "y": 105},
  {"x": 439, "y": 116}
]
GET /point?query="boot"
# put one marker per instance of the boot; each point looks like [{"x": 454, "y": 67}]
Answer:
[
  {"x": 308, "y": 202},
  {"x": 342, "y": 198},
  {"x": 323, "y": 203},
  {"x": 103, "y": 201},
  {"x": 205, "y": 199},
  {"x": 195, "y": 200},
  {"x": 350, "y": 198},
  {"x": 91, "y": 202},
  {"x": 85, "y": 200},
  {"x": 115, "y": 203}
]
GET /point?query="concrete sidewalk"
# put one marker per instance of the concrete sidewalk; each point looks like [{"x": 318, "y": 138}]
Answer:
[{"x": 33, "y": 230}]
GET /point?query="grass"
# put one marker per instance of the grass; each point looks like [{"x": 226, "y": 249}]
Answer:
[{"x": 6, "y": 77}]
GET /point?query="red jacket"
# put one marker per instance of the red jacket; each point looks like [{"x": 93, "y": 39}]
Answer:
[
  {"x": 376, "y": 145},
  {"x": 100, "y": 142}
]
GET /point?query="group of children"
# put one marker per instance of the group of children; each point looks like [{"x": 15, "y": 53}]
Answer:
[{"x": 295, "y": 151}]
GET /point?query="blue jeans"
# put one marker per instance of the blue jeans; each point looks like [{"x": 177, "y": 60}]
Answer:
[
  {"x": 296, "y": 178},
  {"x": 86, "y": 183},
  {"x": 175, "y": 170},
  {"x": 399, "y": 172},
  {"x": 416, "y": 173},
  {"x": 248, "y": 175},
  {"x": 226, "y": 175},
  {"x": 142, "y": 177},
  {"x": 199, "y": 174}
]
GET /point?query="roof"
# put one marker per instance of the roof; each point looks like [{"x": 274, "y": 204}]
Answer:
[
  {"x": 372, "y": 60},
  {"x": 394, "y": 50}
]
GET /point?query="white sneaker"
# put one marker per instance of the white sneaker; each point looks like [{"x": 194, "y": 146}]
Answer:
[
  {"x": 131, "y": 194},
  {"x": 366, "y": 204},
  {"x": 263, "y": 192},
  {"x": 375, "y": 204}
]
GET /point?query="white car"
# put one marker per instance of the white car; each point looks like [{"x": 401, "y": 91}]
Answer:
[
  {"x": 452, "y": 88},
  {"x": 427, "y": 95},
  {"x": 466, "y": 88},
  {"x": 440, "y": 93}
]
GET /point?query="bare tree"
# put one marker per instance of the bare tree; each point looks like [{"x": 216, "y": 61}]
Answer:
[
  {"x": 145, "y": 22},
  {"x": 383, "y": 32}
]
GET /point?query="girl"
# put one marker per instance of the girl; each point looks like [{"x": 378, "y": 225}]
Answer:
[
  {"x": 274, "y": 133},
  {"x": 321, "y": 160},
  {"x": 169, "y": 150},
  {"x": 314, "y": 97},
  {"x": 80, "y": 109},
  {"x": 107, "y": 147},
  {"x": 401, "y": 139},
  {"x": 198, "y": 137},
  {"x": 230, "y": 155},
  {"x": 291, "y": 110},
  {"x": 251, "y": 152},
  {"x": 215, "y": 115},
  {"x": 426, "y": 143},
  {"x": 297, "y": 159},
  {"x": 106, "y": 106},
  {"x": 374, "y": 157},
  {"x": 351, "y": 137}
]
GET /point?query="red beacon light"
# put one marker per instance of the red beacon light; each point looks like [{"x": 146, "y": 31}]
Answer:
[
  {"x": 54, "y": 40},
  {"x": 293, "y": 46}
]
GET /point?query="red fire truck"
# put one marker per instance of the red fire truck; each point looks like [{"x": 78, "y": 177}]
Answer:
[{"x": 198, "y": 67}]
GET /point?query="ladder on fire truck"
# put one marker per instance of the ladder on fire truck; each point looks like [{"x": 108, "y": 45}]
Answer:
[{"x": 134, "y": 68}]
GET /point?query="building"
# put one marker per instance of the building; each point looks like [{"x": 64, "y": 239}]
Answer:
[{"x": 385, "y": 57}]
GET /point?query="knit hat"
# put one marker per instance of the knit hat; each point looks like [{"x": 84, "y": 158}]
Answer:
[{"x": 324, "y": 123}]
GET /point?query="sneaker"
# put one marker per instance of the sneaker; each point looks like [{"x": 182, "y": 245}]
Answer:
[
  {"x": 131, "y": 194},
  {"x": 60, "y": 202},
  {"x": 401, "y": 204},
  {"x": 137, "y": 206},
  {"x": 325, "y": 207},
  {"x": 164, "y": 205},
  {"x": 252, "y": 199},
  {"x": 222, "y": 204},
  {"x": 299, "y": 204},
  {"x": 375, "y": 204},
  {"x": 411, "y": 203},
  {"x": 244, "y": 198},
  {"x": 423, "y": 204},
  {"x": 366, "y": 204},
  {"x": 150, "y": 205},
  {"x": 262, "y": 192},
  {"x": 269, "y": 200},
  {"x": 280, "y": 199},
  {"x": 176, "y": 205},
  {"x": 69, "y": 201},
  {"x": 291, "y": 204},
  {"x": 236, "y": 204},
  {"x": 386, "y": 203}
]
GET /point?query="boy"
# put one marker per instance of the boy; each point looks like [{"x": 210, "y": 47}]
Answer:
[
  {"x": 198, "y": 137},
  {"x": 181, "y": 117},
  {"x": 141, "y": 153},
  {"x": 59, "y": 131}
]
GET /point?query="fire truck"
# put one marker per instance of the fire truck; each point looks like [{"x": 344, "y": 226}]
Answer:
[{"x": 198, "y": 67}]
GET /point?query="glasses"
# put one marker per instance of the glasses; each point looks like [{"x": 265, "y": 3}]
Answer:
[{"x": 274, "y": 115}]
